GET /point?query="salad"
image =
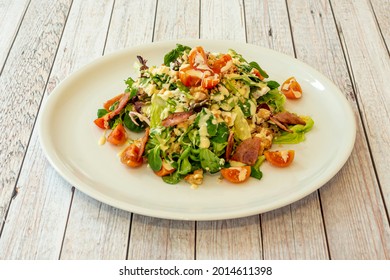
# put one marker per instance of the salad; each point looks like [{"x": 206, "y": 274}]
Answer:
[{"x": 203, "y": 112}]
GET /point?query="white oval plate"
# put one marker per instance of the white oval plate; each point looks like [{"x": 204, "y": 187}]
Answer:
[{"x": 70, "y": 140}]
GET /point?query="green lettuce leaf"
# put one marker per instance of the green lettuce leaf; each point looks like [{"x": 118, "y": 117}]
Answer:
[
  {"x": 255, "y": 169},
  {"x": 209, "y": 161},
  {"x": 241, "y": 126},
  {"x": 158, "y": 105},
  {"x": 274, "y": 99},
  {"x": 175, "y": 53},
  {"x": 298, "y": 133}
]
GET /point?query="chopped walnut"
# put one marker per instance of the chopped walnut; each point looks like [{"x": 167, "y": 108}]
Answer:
[
  {"x": 195, "y": 179},
  {"x": 266, "y": 135},
  {"x": 262, "y": 115}
]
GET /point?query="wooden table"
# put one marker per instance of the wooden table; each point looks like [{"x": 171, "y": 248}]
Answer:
[{"x": 44, "y": 217}]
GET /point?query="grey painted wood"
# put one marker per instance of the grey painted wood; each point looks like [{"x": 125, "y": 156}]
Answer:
[
  {"x": 43, "y": 217},
  {"x": 22, "y": 84},
  {"x": 11, "y": 16}
]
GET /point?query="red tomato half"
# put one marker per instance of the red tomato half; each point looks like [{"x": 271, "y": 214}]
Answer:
[
  {"x": 257, "y": 73},
  {"x": 236, "y": 174},
  {"x": 163, "y": 171},
  {"x": 210, "y": 80},
  {"x": 130, "y": 156},
  {"x": 280, "y": 158},
  {"x": 197, "y": 58},
  {"x": 291, "y": 88},
  {"x": 199, "y": 72},
  {"x": 110, "y": 102},
  {"x": 190, "y": 77},
  {"x": 220, "y": 63},
  {"x": 118, "y": 136},
  {"x": 100, "y": 122}
]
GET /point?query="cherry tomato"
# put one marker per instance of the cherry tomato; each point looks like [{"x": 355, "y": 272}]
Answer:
[
  {"x": 291, "y": 88},
  {"x": 280, "y": 158},
  {"x": 130, "y": 156},
  {"x": 118, "y": 136},
  {"x": 190, "y": 77},
  {"x": 110, "y": 102},
  {"x": 257, "y": 73},
  {"x": 220, "y": 63},
  {"x": 163, "y": 171},
  {"x": 100, "y": 122},
  {"x": 236, "y": 174},
  {"x": 197, "y": 59},
  {"x": 209, "y": 81},
  {"x": 199, "y": 72}
]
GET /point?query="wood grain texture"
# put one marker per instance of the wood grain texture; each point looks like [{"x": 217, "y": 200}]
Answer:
[
  {"x": 94, "y": 231},
  {"x": 155, "y": 232},
  {"x": 90, "y": 19},
  {"x": 295, "y": 231},
  {"x": 176, "y": 20},
  {"x": 44, "y": 217},
  {"x": 22, "y": 85},
  {"x": 222, "y": 20},
  {"x": 369, "y": 65},
  {"x": 131, "y": 24},
  {"x": 381, "y": 10},
  {"x": 353, "y": 195},
  {"x": 229, "y": 239},
  {"x": 37, "y": 217},
  {"x": 161, "y": 239},
  {"x": 267, "y": 25},
  {"x": 11, "y": 16}
]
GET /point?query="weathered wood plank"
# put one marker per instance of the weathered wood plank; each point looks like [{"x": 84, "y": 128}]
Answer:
[
  {"x": 352, "y": 205},
  {"x": 30, "y": 232},
  {"x": 153, "y": 238},
  {"x": 95, "y": 230},
  {"x": 381, "y": 9},
  {"x": 30, "y": 61},
  {"x": 11, "y": 16},
  {"x": 295, "y": 231},
  {"x": 223, "y": 20},
  {"x": 370, "y": 68},
  {"x": 268, "y": 26},
  {"x": 131, "y": 24},
  {"x": 104, "y": 229},
  {"x": 161, "y": 239},
  {"x": 176, "y": 20},
  {"x": 229, "y": 239},
  {"x": 235, "y": 238}
]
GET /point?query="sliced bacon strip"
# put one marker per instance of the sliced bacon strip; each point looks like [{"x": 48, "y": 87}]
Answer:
[
  {"x": 229, "y": 146},
  {"x": 110, "y": 102},
  {"x": 143, "y": 142},
  {"x": 288, "y": 118},
  {"x": 279, "y": 124},
  {"x": 248, "y": 151},
  {"x": 176, "y": 118},
  {"x": 122, "y": 104}
]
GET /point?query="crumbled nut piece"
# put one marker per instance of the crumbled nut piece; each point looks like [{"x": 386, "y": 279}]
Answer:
[{"x": 195, "y": 179}]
